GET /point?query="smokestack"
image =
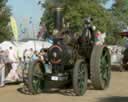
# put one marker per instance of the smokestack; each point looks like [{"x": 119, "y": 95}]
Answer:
[{"x": 59, "y": 18}]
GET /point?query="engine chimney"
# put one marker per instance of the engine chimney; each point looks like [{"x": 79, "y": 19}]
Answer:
[{"x": 58, "y": 18}]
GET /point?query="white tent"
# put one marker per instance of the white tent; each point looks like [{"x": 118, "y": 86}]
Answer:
[
  {"x": 6, "y": 44},
  {"x": 21, "y": 46}
]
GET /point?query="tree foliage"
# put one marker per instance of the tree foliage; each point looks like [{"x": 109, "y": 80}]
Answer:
[
  {"x": 75, "y": 11},
  {"x": 120, "y": 13},
  {"x": 5, "y": 13},
  {"x": 109, "y": 21},
  {"x": 119, "y": 18}
]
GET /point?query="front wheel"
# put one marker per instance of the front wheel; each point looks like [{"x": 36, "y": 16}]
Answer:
[
  {"x": 35, "y": 77},
  {"x": 80, "y": 77}
]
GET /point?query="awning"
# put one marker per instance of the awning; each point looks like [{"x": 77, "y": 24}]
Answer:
[{"x": 124, "y": 33}]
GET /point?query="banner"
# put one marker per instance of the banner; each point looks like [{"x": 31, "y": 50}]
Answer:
[
  {"x": 14, "y": 31},
  {"x": 14, "y": 27}
]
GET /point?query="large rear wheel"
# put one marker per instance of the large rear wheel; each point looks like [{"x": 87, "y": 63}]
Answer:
[{"x": 100, "y": 67}]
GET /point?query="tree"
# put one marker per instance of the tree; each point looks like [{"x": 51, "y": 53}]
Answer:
[
  {"x": 5, "y": 13},
  {"x": 75, "y": 11},
  {"x": 119, "y": 12}
]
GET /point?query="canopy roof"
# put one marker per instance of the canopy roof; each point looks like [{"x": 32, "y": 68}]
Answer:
[{"x": 125, "y": 33}]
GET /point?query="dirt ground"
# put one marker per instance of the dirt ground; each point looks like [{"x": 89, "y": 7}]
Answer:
[{"x": 117, "y": 92}]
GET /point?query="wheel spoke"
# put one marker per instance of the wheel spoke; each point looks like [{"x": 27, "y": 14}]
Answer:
[
  {"x": 81, "y": 86},
  {"x": 105, "y": 63},
  {"x": 38, "y": 75},
  {"x": 81, "y": 77}
]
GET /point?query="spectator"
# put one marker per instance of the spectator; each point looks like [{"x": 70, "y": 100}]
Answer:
[
  {"x": 42, "y": 55},
  {"x": 13, "y": 75},
  {"x": 47, "y": 65},
  {"x": 28, "y": 54},
  {"x": 35, "y": 56},
  {"x": 97, "y": 40},
  {"x": 24, "y": 54},
  {"x": 100, "y": 38},
  {"x": 2, "y": 69}
]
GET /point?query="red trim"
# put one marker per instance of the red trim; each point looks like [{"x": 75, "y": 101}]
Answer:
[
  {"x": 56, "y": 46},
  {"x": 59, "y": 60}
]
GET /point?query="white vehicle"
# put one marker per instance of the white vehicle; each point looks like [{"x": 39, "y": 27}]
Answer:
[{"x": 116, "y": 53}]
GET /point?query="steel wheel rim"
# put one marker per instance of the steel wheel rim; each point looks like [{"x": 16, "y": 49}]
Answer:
[
  {"x": 105, "y": 67},
  {"x": 36, "y": 78},
  {"x": 81, "y": 77}
]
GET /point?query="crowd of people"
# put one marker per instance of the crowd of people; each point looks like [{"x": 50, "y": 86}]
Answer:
[
  {"x": 10, "y": 63},
  {"x": 30, "y": 54}
]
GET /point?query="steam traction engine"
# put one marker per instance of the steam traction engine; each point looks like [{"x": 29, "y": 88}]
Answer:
[{"x": 74, "y": 60}]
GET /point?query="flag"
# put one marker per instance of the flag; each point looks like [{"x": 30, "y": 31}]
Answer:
[
  {"x": 14, "y": 31},
  {"x": 14, "y": 27}
]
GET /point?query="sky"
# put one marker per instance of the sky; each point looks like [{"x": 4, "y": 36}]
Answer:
[
  {"x": 22, "y": 10},
  {"x": 109, "y": 3}
]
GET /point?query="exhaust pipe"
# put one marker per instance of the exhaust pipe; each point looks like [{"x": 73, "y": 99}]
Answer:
[{"x": 59, "y": 18}]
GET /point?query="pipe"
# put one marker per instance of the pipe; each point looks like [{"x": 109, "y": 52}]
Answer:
[{"x": 59, "y": 18}]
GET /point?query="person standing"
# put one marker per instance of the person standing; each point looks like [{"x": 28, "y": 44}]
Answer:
[
  {"x": 28, "y": 54},
  {"x": 2, "y": 69},
  {"x": 100, "y": 38},
  {"x": 12, "y": 56},
  {"x": 97, "y": 38}
]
